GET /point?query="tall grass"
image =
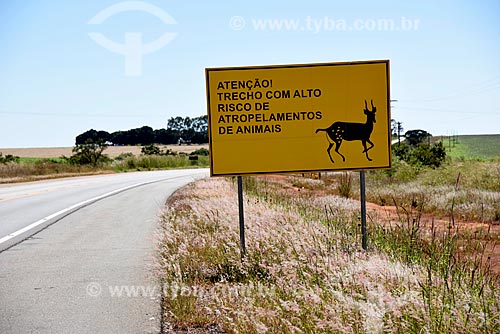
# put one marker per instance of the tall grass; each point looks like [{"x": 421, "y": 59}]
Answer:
[
  {"x": 459, "y": 288},
  {"x": 149, "y": 162},
  {"x": 29, "y": 169},
  {"x": 345, "y": 185},
  {"x": 304, "y": 271},
  {"x": 470, "y": 190}
]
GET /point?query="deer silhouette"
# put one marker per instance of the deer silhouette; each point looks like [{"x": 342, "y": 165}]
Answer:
[{"x": 340, "y": 131}]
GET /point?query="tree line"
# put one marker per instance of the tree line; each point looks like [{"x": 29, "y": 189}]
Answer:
[{"x": 178, "y": 130}]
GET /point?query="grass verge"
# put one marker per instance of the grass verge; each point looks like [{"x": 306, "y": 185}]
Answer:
[
  {"x": 304, "y": 271},
  {"x": 28, "y": 169},
  {"x": 468, "y": 190}
]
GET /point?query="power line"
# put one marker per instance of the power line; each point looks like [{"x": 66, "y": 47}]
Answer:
[
  {"x": 474, "y": 89},
  {"x": 495, "y": 111}
]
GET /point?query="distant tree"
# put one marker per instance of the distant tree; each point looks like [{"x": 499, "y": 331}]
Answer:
[
  {"x": 176, "y": 124},
  {"x": 165, "y": 136},
  {"x": 394, "y": 127},
  {"x": 133, "y": 136},
  {"x": 119, "y": 138},
  {"x": 200, "y": 127},
  {"x": 200, "y": 124},
  {"x": 145, "y": 135},
  {"x": 93, "y": 135},
  {"x": 193, "y": 130},
  {"x": 187, "y": 123},
  {"x": 415, "y": 137},
  {"x": 188, "y": 133},
  {"x": 89, "y": 153}
]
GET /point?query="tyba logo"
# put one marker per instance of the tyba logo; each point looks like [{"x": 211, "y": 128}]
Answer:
[{"x": 133, "y": 49}]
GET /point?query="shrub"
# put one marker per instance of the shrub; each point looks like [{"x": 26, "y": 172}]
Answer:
[
  {"x": 345, "y": 186},
  {"x": 151, "y": 149},
  {"x": 154, "y": 149},
  {"x": 90, "y": 153},
  {"x": 428, "y": 155},
  {"x": 200, "y": 151},
  {"x": 422, "y": 154},
  {"x": 124, "y": 156},
  {"x": 169, "y": 152},
  {"x": 8, "y": 158},
  {"x": 150, "y": 162},
  {"x": 400, "y": 150}
]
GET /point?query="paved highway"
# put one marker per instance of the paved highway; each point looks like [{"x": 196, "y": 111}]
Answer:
[{"x": 76, "y": 253}]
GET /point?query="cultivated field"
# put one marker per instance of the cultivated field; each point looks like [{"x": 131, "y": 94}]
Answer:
[
  {"x": 111, "y": 151},
  {"x": 472, "y": 146}
]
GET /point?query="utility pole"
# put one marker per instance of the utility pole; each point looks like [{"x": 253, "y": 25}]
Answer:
[
  {"x": 400, "y": 128},
  {"x": 399, "y": 132}
]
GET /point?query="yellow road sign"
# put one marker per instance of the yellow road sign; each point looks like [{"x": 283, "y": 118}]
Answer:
[{"x": 298, "y": 118}]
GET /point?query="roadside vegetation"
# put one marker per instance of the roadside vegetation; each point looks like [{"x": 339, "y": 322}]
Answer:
[
  {"x": 432, "y": 264},
  {"x": 91, "y": 158},
  {"x": 304, "y": 271},
  {"x": 8, "y": 158}
]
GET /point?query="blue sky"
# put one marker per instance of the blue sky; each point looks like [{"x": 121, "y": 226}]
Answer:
[{"x": 57, "y": 82}]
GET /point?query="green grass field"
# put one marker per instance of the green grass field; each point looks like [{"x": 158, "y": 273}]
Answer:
[
  {"x": 472, "y": 146},
  {"x": 33, "y": 160}
]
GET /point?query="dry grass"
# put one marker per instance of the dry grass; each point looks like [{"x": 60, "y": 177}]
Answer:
[
  {"x": 37, "y": 167},
  {"x": 111, "y": 151},
  {"x": 467, "y": 190},
  {"x": 304, "y": 271}
]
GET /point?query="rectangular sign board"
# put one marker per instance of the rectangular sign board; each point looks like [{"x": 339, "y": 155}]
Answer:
[{"x": 299, "y": 118}]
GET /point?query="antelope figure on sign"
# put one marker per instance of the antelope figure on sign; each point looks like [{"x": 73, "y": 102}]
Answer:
[{"x": 340, "y": 131}]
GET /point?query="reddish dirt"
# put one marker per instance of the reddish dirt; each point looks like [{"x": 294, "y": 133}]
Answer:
[{"x": 486, "y": 233}]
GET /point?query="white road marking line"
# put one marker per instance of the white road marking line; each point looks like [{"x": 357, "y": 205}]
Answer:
[
  {"x": 60, "y": 212},
  {"x": 44, "y": 191}
]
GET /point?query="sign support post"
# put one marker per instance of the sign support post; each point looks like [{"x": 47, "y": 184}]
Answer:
[
  {"x": 242, "y": 217},
  {"x": 288, "y": 118},
  {"x": 363, "y": 208}
]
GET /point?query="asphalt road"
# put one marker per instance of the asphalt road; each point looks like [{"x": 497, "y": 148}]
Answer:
[{"x": 88, "y": 267}]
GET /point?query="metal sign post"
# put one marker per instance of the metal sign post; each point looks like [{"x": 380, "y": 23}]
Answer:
[
  {"x": 242, "y": 216},
  {"x": 363, "y": 207},
  {"x": 288, "y": 118}
]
